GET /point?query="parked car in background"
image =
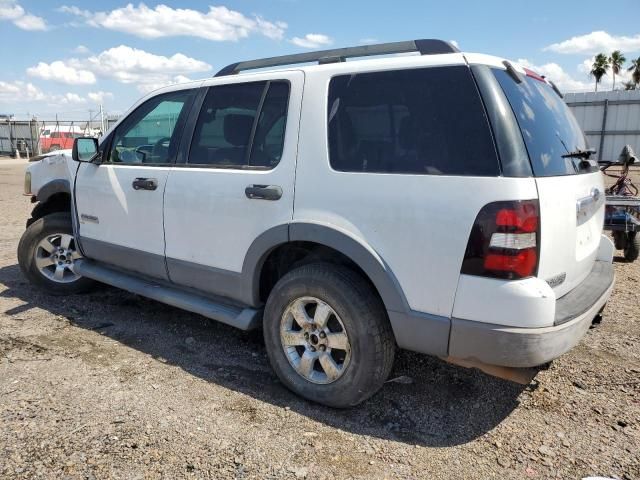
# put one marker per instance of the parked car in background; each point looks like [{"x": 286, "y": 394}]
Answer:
[
  {"x": 444, "y": 203},
  {"x": 58, "y": 137}
]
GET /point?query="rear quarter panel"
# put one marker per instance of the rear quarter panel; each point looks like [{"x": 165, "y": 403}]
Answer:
[{"x": 417, "y": 224}]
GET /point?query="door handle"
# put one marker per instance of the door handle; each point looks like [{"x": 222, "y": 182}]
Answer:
[
  {"x": 145, "y": 184},
  {"x": 263, "y": 192}
]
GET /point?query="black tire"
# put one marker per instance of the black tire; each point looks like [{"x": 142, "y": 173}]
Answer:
[
  {"x": 372, "y": 344},
  {"x": 620, "y": 240},
  {"x": 54, "y": 223},
  {"x": 633, "y": 247}
]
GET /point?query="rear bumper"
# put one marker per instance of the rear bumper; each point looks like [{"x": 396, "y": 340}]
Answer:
[{"x": 527, "y": 347}]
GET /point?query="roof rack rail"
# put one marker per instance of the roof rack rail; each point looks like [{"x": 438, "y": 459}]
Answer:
[{"x": 428, "y": 46}]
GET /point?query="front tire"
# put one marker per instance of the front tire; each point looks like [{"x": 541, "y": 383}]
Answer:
[
  {"x": 47, "y": 253},
  {"x": 327, "y": 335}
]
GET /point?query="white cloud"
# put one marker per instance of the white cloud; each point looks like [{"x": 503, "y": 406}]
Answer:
[
  {"x": 68, "y": 98},
  {"x": 81, "y": 49},
  {"x": 218, "y": 24},
  {"x": 62, "y": 72},
  {"x": 100, "y": 96},
  {"x": 10, "y": 10},
  {"x": 18, "y": 91},
  {"x": 150, "y": 87},
  {"x": 312, "y": 40},
  {"x": 131, "y": 65},
  {"x": 596, "y": 42},
  {"x": 30, "y": 22},
  {"x": 555, "y": 73},
  {"x": 123, "y": 64}
]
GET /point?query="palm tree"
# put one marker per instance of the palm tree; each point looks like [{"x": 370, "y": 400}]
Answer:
[
  {"x": 616, "y": 60},
  {"x": 635, "y": 69},
  {"x": 599, "y": 68}
]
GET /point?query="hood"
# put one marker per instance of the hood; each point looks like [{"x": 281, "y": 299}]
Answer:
[{"x": 55, "y": 153}]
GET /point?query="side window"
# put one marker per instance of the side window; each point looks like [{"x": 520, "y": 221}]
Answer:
[
  {"x": 241, "y": 125},
  {"x": 149, "y": 134},
  {"x": 420, "y": 121}
]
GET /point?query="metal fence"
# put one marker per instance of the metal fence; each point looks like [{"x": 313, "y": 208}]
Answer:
[
  {"x": 33, "y": 137},
  {"x": 610, "y": 120}
]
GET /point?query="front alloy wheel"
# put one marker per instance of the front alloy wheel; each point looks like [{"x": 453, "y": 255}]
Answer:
[
  {"x": 55, "y": 257},
  {"x": 47, "y": 254}
]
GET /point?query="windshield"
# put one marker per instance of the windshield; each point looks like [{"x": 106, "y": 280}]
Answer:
[{"x": 548, "y": 127}]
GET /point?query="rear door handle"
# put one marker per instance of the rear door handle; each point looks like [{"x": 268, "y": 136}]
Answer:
[
  {"x": 263, "y": 192},
  {"x": 145, "y": 184}
]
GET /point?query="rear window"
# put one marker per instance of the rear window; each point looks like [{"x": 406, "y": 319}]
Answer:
[
  {"x": 548, "y": 127},
  {"x": 420, "y": 121}
]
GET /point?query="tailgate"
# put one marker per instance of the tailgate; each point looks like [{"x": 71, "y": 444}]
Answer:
[
  {"x": 571, "y": 219},
  {"x": 570, "y": 185}
]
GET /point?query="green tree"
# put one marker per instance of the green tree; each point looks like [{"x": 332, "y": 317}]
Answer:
[
  {"x": 616, "y": 60},
  {"x": 599, "y": 68},
  {"x": 635, "y": 71}
]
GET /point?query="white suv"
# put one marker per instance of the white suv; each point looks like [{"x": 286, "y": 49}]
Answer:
[{"x": 442, "y": 202}]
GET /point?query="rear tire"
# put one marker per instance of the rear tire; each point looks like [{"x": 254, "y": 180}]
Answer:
[
  {"x": 345, "y": 349},
  {"x": 632, "y": 248},
  {"x": 47, "y": 252}
]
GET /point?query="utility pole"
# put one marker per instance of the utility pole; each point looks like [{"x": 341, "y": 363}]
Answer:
[
  {"x": 102, "y": 129},
  {"x": 90, "y": 118}
]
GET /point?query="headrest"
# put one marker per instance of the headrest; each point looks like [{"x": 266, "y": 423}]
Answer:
[{"x": 237, "y": 129}]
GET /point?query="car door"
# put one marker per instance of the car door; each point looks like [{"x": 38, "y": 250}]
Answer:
[
  {"x": 119, "y": 200},
  {"x": 237, "y": 182}
]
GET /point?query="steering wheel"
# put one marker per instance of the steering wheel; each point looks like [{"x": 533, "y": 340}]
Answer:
[{"x": 160, "y": 150}]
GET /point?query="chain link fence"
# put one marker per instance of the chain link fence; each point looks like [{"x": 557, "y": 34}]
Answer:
[{"x": 26, "y": 138}]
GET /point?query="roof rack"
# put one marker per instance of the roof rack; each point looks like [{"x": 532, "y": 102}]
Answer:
[{"x": 428, "y": 46}]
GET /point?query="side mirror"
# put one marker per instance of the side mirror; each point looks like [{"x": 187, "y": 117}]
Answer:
[{"x": 85, "y": 149}]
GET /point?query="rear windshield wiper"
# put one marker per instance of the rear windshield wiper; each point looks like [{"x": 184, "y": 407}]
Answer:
[{"x": 579, "y": 153}]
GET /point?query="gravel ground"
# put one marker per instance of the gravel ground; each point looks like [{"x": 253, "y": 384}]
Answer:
[{"x": 111, "y": 385}]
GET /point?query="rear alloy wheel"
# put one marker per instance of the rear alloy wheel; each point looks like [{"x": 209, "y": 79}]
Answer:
[
  {"x": 327, "y": 335},
  {"x": 315, "y": 340},
  {"x": 47, "y": 254}
]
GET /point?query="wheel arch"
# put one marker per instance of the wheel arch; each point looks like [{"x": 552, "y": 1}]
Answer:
[
  {"x": 53, "y": 187},
  {"x": 54, "y": 196},
  {"x": 362, "y": 255}
]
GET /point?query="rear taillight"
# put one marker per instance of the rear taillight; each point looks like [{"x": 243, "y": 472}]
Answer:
[{"x": 504, "y": 241}]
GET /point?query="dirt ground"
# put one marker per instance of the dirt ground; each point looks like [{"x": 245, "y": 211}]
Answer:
[{"x": 111, "y": 385}]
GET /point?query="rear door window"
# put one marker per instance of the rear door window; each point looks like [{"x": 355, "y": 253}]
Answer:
[
  {"x": 241, "y": 125},
  {"x": 548, "y": 127},
  {"x": 420, "y": 121}
]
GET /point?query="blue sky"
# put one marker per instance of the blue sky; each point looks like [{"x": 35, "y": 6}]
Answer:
[{"x": 67, "y": 57}]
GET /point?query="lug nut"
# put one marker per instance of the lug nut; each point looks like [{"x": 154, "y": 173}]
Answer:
[
  {"x": 323, "y": 335},
  {"x": 322, "y": 348}
]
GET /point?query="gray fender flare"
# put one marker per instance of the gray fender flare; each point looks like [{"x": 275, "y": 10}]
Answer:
[
  {"x": 373, "y": 266},
  {"x": 51, "y": 188}
]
